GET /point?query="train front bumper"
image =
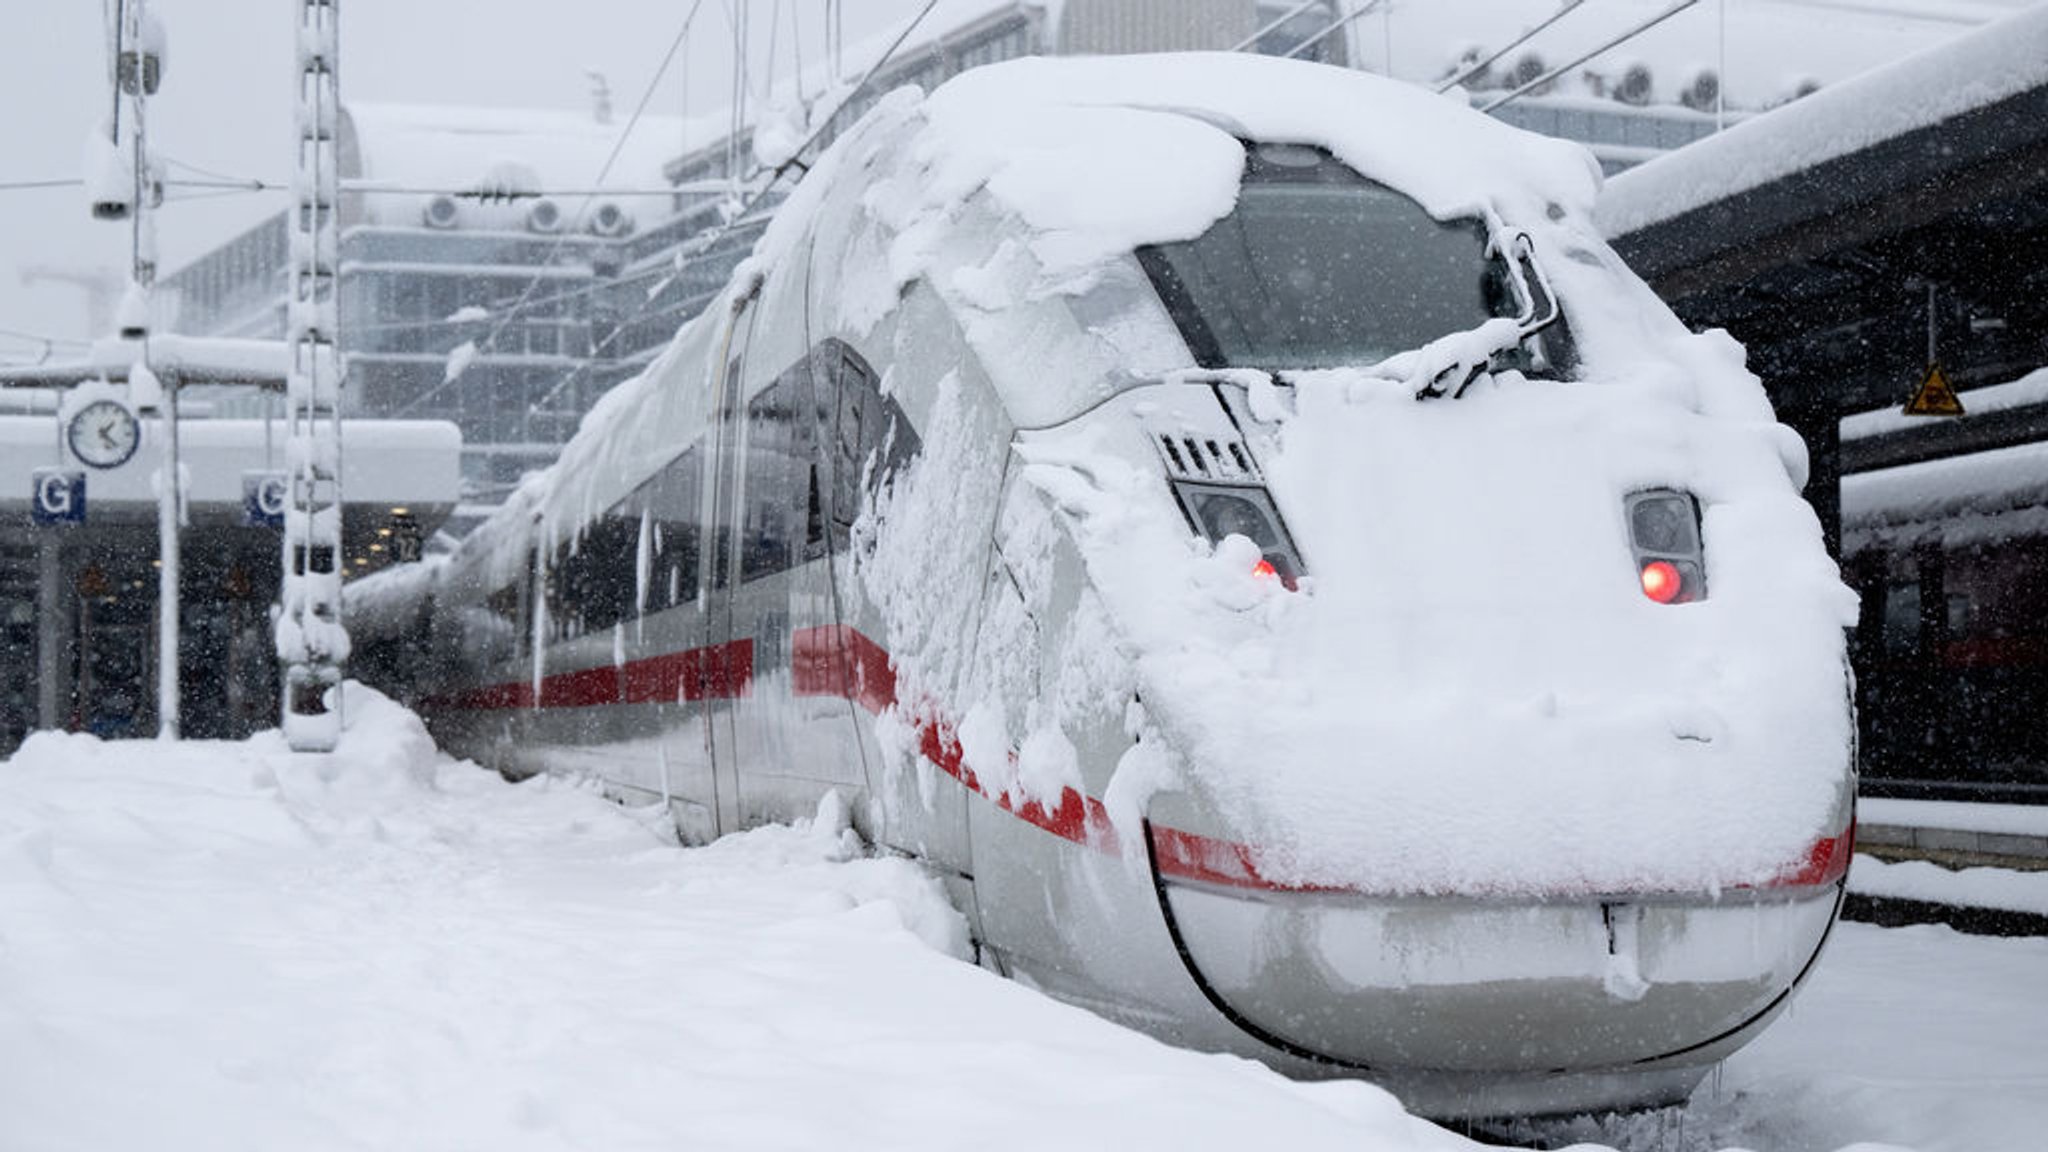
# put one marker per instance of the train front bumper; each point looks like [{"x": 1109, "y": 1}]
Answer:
[{"x": 1468, "y": 1007}]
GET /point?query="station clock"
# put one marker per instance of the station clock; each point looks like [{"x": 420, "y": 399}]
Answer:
[{"x": 104, "y": 434}]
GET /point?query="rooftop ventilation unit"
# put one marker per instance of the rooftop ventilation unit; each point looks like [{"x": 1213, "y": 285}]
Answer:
[
  {"x": 610, "y": 221},
  {"x": 442, "y": 212},
  {"x": 544, "y": 217}
]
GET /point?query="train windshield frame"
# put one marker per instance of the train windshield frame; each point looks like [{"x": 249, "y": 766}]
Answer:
[{"x": 1320, "y": 267}]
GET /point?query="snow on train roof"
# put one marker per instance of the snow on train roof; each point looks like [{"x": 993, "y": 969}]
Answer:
[
  {"x": 1096, "y": 156},
  {"x": 1153, "y": 142}
]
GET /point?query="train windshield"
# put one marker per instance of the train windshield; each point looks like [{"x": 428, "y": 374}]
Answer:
[{"x": 1318, "y": 267}]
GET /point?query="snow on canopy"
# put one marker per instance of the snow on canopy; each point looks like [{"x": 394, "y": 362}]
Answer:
[
  {"x": 1955, "y": 501},
  {"x": 1979, "y": 68}
]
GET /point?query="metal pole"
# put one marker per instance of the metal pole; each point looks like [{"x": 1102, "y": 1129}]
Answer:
[
  {"x": 1721, "y": 73},
  {"x": 1931, "y": 361},
  {"x": 169, "y": 509},
  {"x": 169, "y": 499},
  {"x": 52, "y": 615},
  {"x": 311, "y": 641}
]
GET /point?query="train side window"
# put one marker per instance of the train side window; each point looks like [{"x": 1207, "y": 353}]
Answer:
[
  {"x": 781, "y": 442},
  {"x": 871, "y": 437},
  {"x": 556, "y": 582},
  {"x": 504, "y": 604},
  {"x": 605, "y": 572},
  {"x": 528, "y": 605},
  {"x": 673, "y": 506},
  {"x": 851, "y": 454},
  {"x": 591, "y": 583},
  {"x": 721, "y": 528}
]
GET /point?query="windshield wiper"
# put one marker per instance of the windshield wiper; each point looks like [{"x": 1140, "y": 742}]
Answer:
[{"x": 1461, "y": 357}]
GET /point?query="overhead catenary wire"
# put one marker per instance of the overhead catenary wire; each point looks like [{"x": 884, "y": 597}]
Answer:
[
  {"x": 56, "y": 182},
  {"x": 43, "y": 338},
  {"x": 774, "y": 176},
  {"x": 1554, "y": 73},
  {"x": 1274, "y": 24},
  {"x": 1510, "y": 46},
  {"x": 533, "y": 284},
  {"x": 234, "y": 185},
  {"x": 1335, "y": 26}
]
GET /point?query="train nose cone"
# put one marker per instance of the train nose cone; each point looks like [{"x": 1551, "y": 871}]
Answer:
[{"x": 1464, "y": 985}]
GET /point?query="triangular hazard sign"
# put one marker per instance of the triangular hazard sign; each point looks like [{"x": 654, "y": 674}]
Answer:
[{"x": 1935, "y": 397}]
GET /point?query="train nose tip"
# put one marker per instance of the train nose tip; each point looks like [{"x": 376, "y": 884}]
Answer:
[{"x": 1476, "y": 986}]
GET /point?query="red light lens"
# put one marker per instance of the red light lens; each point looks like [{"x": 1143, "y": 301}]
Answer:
[
  {"x": 1662, "y": 581},
  {"x": 1264, "y": 570}
]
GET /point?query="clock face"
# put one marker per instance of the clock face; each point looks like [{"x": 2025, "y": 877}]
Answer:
[{"x": 104, "y": 434}]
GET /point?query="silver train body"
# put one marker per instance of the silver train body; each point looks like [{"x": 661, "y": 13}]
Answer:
[{"x": 822, "y": 546}]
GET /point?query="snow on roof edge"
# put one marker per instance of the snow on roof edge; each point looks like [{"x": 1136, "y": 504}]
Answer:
[{"x": 1972, "y": 71}]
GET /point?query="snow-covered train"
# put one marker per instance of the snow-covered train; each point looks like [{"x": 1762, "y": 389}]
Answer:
[{"x": 1235, "y": 522}]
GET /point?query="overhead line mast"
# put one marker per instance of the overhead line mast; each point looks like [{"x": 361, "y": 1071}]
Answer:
[{"x": 312, "y": 643}]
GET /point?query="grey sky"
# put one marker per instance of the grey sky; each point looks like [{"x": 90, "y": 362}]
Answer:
[{"x": 225, "y": 103}]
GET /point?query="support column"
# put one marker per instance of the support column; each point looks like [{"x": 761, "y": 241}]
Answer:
[
  {"x": 52, "y": 653},
  {"x": 311, "y": 640}
]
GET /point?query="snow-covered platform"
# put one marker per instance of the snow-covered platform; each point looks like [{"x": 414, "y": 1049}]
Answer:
[
  {"x": 384, "y": 948},
  {"x": 1955, "y": 832},
  {"x": 1980, "y": 868}
]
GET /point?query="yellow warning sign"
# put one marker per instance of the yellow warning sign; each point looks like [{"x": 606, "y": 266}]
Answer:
[{"x": 1935, "y": 397}]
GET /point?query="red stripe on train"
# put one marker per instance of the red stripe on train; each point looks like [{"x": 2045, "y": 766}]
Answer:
[
  {"x": 718, "y": 672},
  {"x": 838, "y": 660}
]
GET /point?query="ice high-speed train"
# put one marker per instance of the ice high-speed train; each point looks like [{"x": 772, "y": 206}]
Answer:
[{"x": 1234, "y": 522}]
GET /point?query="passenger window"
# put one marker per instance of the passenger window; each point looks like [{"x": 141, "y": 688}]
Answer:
[
  {"x": 871, "y": 436},
  {"x": 728, "y": 431},
  {"x": 593, "y": 578},
  {"x": 673, "y": 507},
  {"x": 853, "y": 382},
  {"x": 780, "y": 447}
]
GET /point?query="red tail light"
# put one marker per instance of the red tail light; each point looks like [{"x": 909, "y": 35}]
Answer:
[
  {"x": 1662, "y": 582},
  {"x": 1664, "y": 527},
  {"x": 1264, "y": 570}
]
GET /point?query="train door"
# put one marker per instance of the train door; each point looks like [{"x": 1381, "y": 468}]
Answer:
[{"x": 727, "y": 662}]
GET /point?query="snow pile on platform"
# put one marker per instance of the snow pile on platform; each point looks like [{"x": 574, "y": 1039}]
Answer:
[
  {"x": 2004, "y": 889},
  {"x": 213, "y": 945}
]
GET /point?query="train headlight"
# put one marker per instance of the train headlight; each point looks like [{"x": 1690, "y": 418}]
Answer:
[
  {"x": 1218, "y": 511},
  {"x": 1664, "y": 530}
]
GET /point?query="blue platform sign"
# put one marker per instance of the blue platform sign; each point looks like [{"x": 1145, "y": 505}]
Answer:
[
  {"x": 263, "y": 499},
  {"x": 58, "y": 497}
]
